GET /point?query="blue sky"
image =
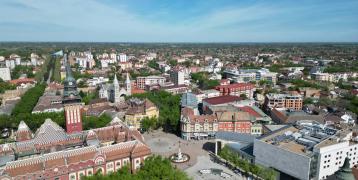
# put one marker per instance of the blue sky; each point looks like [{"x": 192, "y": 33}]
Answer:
[{"x": 179, "y": 20}]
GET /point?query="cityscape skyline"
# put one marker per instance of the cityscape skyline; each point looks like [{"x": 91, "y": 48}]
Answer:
[{"x": 179, "y": 21}]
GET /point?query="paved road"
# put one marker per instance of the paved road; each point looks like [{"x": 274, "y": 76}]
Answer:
[
  {"x": 49, "y": 77},
  {"x": 204, "y": 162}
]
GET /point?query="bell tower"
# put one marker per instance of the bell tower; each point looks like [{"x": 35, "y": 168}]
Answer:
[{"x": 71, "y": 102}]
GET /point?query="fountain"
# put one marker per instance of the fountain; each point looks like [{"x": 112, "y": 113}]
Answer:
[{"x": 179, "y": 157}]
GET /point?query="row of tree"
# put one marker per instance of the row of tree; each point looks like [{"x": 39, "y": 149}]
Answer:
[
  {"x": 154, "y": 167},
  {"x": 233, "y": 157},
  {"x": 29, "y": 100}
]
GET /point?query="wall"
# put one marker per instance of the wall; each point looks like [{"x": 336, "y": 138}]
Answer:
[{"x": 288, "y": 162}]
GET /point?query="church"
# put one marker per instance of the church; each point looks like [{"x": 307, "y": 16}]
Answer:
[{"x": 113, "y": 92}]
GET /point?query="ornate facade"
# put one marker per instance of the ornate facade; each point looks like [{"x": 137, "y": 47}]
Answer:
[
  {"x": 139, "y": 109},
  {"x": 54, "y": 154},
  {"x": 114, "y": 92}
]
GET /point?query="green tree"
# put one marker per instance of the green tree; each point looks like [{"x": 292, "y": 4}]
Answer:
[
  {"x": 29, "y": 100},
  {"x": 169, "y": 108},
  {"x": 243, "y": 96},
  {"x": 154, "y": 167}
]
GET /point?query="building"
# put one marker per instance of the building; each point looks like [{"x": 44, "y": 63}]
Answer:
[
  {"x": 195, "y": 126},
  {"x": 309, "y": 151},
  {"x": 228, "y": 118},
  {"x": 232, "y": 120},
  {"x": 308, "y": 92},
  {"x": 142, "y": 82},
  {"x": 177, "y": 76},
  {"x": 139, "y": 109},
  {"x": 237, "y": 89},
  {"x": 10, "y": 63},
  {"x": 220, "y": 100},
  {"x": 284, "y": 116},
  {"x": 114, "y": 92},
  {"x": 249, "y": 75},
  {"x": 189, "y": 100},
  {"x": 51, "y": 153},
  {"x": 85, "y": 60},
  {"x": 241, "y": 144},
  {"x": 122, "y": 58},
  {"x": 204, "y": 94},
  {"x": 48, "y": 103},
  {"x": 288, "y": 101},
  {"x": 5, "y": 74},
  {"x": 176, "y": 89}
]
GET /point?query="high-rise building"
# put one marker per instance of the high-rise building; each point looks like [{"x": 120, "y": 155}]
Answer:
[
  {"x": 177, "y": 76},
  {"x": 122, "y": 57}
]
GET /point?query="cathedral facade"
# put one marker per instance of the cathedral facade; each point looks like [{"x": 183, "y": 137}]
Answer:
[{"x": 113, "y": 92}]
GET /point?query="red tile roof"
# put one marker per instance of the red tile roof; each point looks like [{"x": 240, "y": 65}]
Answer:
[
  {"x": 236, "y": 85},
  {"x": 222, "y": 99},
  {"x": 251, "y": 111},
  {"x": 22, "y": 80}
]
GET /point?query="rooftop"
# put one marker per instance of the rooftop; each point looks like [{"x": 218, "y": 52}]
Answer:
[{"x": 222, "y": 99}]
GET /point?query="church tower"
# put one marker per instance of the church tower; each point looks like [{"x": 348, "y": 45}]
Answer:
[
  {"x": 117, "y": 96},
  {"x": 128, "y": 86},
  {"x": 71, "y": 102}
]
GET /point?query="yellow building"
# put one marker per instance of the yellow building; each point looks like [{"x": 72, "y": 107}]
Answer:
[{"x": 139, "y": 109}]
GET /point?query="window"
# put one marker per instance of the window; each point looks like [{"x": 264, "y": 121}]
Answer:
[
  {"x": 72, "y": 177},
  {"x": 118, "y": 163}
]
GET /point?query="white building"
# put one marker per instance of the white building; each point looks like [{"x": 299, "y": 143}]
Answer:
[
  {"x": 5, "y": 74},
  {"x": 333, "y": 151},
  {"x": 96, "y": 81},
  {"x": 113, "y": 56},
  {"x": 10, "y": 63},
  {"x": 214, "y": 66},
  {"x": 85, "y": 60},
  {"x": 122, "y": 57},
  {"x": 312, "y": 151},
  {"x": 151, "y": 56},
  {"x": 207, "y": 94},
  {"x": 142, "y": 82},
  {"x": 247, "y": 75},
  {"x": 177, "y": 76}
]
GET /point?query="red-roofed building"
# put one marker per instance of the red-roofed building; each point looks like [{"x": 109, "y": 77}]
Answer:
[
  {"x": 220, "y": 100},
  {"x": 251, "y": 111},
  {"x": 22, "y": 81},
  {"x": 237, "y": 89}
]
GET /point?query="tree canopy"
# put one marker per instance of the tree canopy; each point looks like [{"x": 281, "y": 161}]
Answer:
[
  {"x": 154, "y": 167},
  {"x": 169, "y": 108}
]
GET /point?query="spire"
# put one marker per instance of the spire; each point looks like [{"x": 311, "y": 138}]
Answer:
[
  {"x": 115, "y": 80},
  {"x": 23, "y": 127},
  {"x": 128, "y": 85},
  {"x": 128, "y": 80}
]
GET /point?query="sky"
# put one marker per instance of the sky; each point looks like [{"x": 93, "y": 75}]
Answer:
[{"x": 179, "y": 20}]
